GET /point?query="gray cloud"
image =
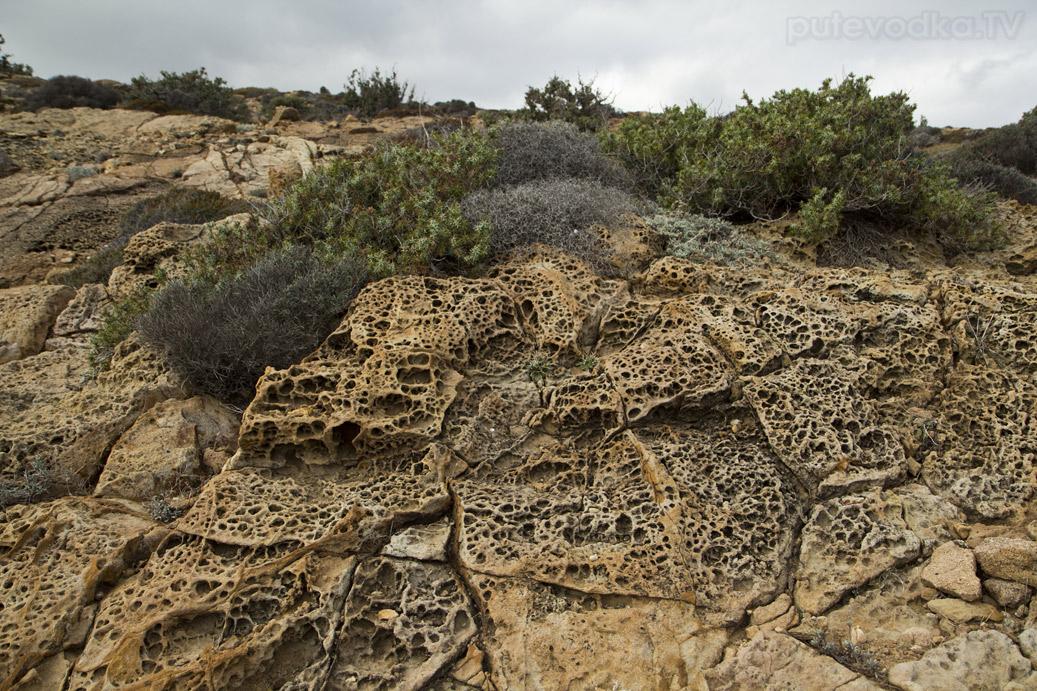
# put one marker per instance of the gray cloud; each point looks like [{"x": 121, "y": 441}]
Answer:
[{"x": 647, "y": 54}]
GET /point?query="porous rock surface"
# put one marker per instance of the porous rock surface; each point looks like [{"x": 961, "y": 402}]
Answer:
[{"x": 694, "y": 477}]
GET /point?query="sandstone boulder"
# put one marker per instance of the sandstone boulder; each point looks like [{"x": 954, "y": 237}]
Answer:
[
  {"x": 952, "y": 569},
  {"x": 1012, "y": 559}
]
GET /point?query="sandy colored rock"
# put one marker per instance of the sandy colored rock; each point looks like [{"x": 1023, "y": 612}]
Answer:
[
  {"x": 961, "y": 612},
  {"x": 194, "y": 614},
  {"x": 83, "y": 314},
  {"x": 892, "y": 613},
  {"x": 965, "y": 663},
  {"x": 1028, "y": 644},
  {"x": 554, "y": 638},
  {"x": 163, "y": 452},
  {"x": 762, "y": 615},
  {"x": 1013, "y": 559},
  {"x": 56, "y": 558},
  {"x": 776, "y": 661},
  {"x": 1008, "y": 594},
  {"x": 952, "y": 569},
  {"x": 424, "y": 542},
  {"x": 285, "y": 113},
  {"x": 26, "y": 317},
  {"x": 849, "y": 541},
  {"x": 73, "y": 419}
]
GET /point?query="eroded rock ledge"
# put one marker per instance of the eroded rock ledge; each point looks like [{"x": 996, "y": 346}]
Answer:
[{"x": 546, "y": 479}]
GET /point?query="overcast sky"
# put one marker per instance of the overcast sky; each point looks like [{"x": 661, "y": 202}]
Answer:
[{"x": 963, "y": 63}]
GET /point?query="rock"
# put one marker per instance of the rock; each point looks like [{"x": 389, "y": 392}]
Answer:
[
  {"x": 965, "y": 663},
  {"x": 776, "y": 661},
  {"x": 762, "y": 615},
  {"x": 952, "y": 569},
  {"x": 424, "y": 542},
  {"x": 889, "y": 609},
  {"x": 56, "y": 558},
  {"x": 26, "y": 317},
  {"x": 1012, "y": 559},
  {"x": 54, "y": 415},
  {"x": 7, "y": 166},
  {"x": 1028, "y": 644},
  {"x": 162, "y": 453},
  {"x": 815, "y": 418},
  {"x": 1021, "y": 263},
  {"x": 961, "y": 612},
  {"x": 849, "y": 541},
  {"x": 280, "y": 178},
  {"x": 284, "y": 114},
  {"x": 1008, "y": 594},
  {"x": 151, "y": 249},
  {"x": 84, "y": 313},
  {"x": 554, "y": 638}
]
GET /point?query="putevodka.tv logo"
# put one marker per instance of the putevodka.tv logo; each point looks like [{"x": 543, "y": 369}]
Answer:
[{"x": 927, "y": 26}]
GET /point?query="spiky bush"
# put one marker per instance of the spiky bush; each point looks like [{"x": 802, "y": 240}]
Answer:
[
  {"x": 397, "y": 207},
  {"x": 221, "y": 337},
  {"x": 191, "y": 92},
  {"x": 370, "y": 94},
  {"x": 556, "y": 212},
  {"x": 838, "y": 155},
  {"x": 583, "y": 105},
  {"x": 543, "y": 150},
  {"x": 71, "y": 92}
]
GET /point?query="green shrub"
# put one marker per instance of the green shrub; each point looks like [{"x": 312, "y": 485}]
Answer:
[
  {"x": 397, "y": 207},
  {"x": 70, "y": 92},
  {"x": 97, "y": 269},
  {"x": 456, "y": 107},
  {"x": 1007, "y": 182},
  {"x": 925, "y": 135},
  {"x": 537, "y": 151},
  {"x": 153, "y": 105},
  {"x": 557, "y": 212},
  {"x": 369, "y": 95},
  {"x": 703, "y": 238},
  {"x": 583, "y": 106},
  {"x": 179, "y": 205},
  {"x": 192, "y": 92},
  {"x": 117, "y": 325},
  {"x": 220, "y": 337},
  {"x": 838, "y": 155},
  {"x": 271, "y": 103},
  {"x": 1012, "y": 146},
  {"x": 654, "y": 148},
  {"x": 14, "y": 68}
]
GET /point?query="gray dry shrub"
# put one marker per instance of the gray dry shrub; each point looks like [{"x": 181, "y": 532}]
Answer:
[
  {"x": 552, "y": 212},
  {"x": 547, "y": 150},
  {"x": 222, "y": 337},
  {"x": 705, "y": 238}
]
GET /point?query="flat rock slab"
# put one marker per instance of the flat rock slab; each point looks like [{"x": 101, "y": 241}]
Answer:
[
  {"x": 978, "y": 660},
  {"x": 776, "y": 661}
]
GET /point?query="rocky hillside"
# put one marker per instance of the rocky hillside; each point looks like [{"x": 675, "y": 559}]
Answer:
[{"x": 697, "y": 475}]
